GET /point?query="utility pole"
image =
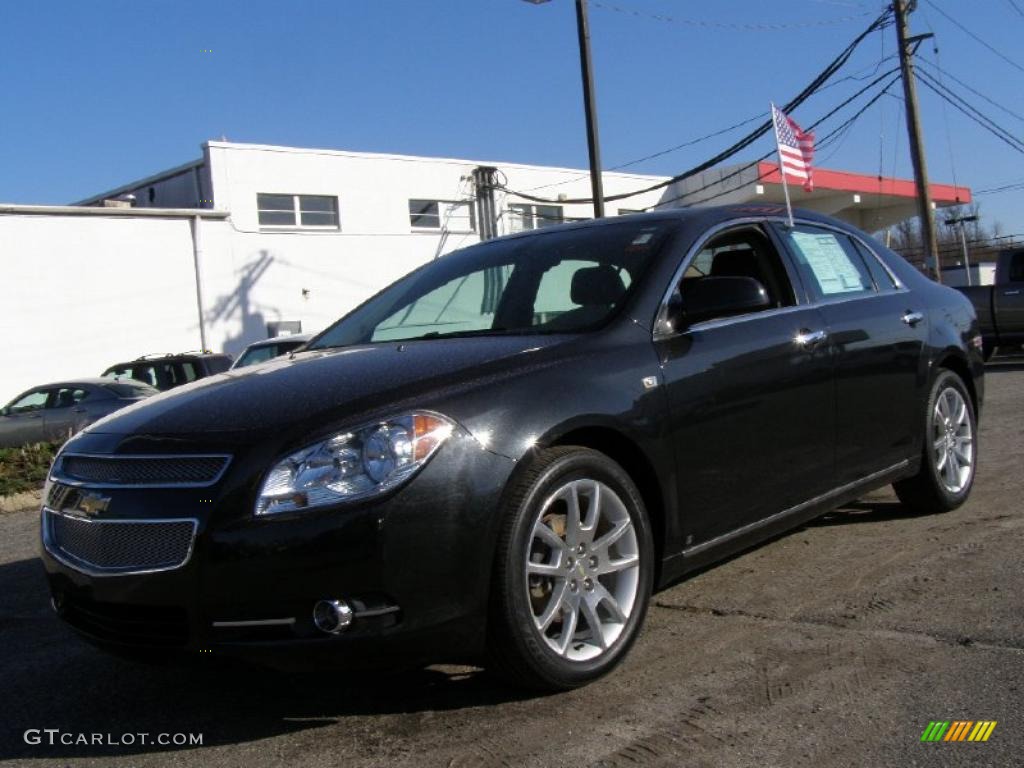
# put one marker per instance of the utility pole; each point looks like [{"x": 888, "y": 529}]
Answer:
[
  {"x": 902, "y": 9},
  {"x": 962, "y": 221},
  {"x": 590, "y": 107},
  {"x": 589, "y": 104}
]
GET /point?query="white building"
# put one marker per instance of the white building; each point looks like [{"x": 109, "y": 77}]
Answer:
[{"x": 223, "y": 250}]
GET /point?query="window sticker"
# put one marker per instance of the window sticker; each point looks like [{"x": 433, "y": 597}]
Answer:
[{"x": 832, "y": 268}]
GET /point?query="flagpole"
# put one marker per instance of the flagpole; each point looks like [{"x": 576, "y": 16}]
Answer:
[{"x": 782, "y": 173}]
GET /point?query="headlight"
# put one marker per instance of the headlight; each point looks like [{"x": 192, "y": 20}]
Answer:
[{"x": 353, "y": 464}]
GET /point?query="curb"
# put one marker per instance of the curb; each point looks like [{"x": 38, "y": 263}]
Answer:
[{"x": 17, "y": 502}]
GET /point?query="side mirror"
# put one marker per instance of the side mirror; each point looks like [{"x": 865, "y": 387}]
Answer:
[{"x": 708, "y": 298}]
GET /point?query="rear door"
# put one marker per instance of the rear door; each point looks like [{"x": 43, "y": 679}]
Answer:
[
  {"x": 1009, "y": 299},
  {"x": 64, "y": 413},
  {"x": 22, "y": 420},
  {"x": 877, "y": 331},
  {"x": 751, "y": 402}
]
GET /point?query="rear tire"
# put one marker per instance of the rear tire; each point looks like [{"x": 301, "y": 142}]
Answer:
[
  {"x": 573, "y": 571},
  {"x": 950, "y": 450}
]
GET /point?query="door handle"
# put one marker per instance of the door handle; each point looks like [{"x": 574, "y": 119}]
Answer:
[
  {"x": 912, "y": 318},
  {"x": 1012, "y": 293},
  {"x": 810, "y": 339}
]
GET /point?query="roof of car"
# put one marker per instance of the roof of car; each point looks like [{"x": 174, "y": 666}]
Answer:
[
  {"x": 704, "y": 215},
  {"x": 89, "y": 381}
]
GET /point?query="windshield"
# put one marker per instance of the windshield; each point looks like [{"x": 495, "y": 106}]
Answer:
[
  {"x": 128, "y": 389},
  {"x": 264, "y": 352},
  {"x": 557, "y": 282}
]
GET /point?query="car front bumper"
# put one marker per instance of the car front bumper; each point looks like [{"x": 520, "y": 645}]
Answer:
[{"x": 414, "y": 566}]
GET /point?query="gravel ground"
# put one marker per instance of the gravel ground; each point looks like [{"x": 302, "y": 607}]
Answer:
[{"x": 832, "y": 646}]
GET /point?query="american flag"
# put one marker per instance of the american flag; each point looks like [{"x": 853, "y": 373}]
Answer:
[{"x": 796, "y": 148}]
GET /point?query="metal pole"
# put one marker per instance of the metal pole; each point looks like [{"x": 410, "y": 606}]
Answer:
[
  {"x": 967, "y": 259},
  {"x": 197, "y": 252},
  {"x": 590, "y": 107},
  {"x": 924, "y": 203}
]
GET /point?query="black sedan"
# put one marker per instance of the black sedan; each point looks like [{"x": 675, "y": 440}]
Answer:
[
  {"x": 55, "y": 411},
  {"x": 500, "y": 456}
]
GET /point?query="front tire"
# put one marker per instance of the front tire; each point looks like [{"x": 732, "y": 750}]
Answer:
[
  {"x": 573, "y": 571},
  {"x": 950, "y": 450}
]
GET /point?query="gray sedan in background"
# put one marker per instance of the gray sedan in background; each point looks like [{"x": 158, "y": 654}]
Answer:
[{"x": 56, "y": 411}]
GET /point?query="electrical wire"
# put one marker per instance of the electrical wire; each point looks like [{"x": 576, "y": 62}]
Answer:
[
  {"x": 743, "y": 27},
  {"x": 836, "y": 64},
  {"x": 979, "y": 94},
  {"x": 1012, "y": 187},
  {"x": 972, "y": 112},
  {"x": 824, "y": 142},
  {"x": 975, "y": 37}
]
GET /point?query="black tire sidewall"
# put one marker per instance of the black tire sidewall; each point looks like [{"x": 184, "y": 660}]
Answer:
[{"x": 547, "y": 664}]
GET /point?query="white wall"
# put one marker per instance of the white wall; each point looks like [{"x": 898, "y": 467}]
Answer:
[
  {"x": 314, "y": 277},
  {"x": 80, "y": 293}
]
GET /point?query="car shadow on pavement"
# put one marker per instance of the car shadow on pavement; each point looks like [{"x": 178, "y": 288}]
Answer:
[
  {"x": 864, "y": 511},
  {"x": 51, "y": 679}
]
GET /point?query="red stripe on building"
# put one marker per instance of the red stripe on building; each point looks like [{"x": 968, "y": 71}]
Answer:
[{"x": 844, "y": 181}]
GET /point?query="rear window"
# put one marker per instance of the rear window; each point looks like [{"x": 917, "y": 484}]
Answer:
[{"x": 126, "y": 389}]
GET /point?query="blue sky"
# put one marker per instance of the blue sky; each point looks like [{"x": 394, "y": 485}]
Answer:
[{"x": 98, "y": 93}]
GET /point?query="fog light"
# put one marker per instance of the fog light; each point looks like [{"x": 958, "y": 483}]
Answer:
[{"x": 332, "y": 616}]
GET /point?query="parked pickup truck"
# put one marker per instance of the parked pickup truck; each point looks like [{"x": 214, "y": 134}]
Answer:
[{"x": 1000, "y": 307}]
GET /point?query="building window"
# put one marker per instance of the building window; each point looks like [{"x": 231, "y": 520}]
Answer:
[
  {"x": 297, "y": 211},
  {"x": 453, "y": 215},
  {"x": 523, "y": 216}
]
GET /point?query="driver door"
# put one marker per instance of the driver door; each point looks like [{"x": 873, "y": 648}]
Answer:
[{"x": 752, "y": 411}]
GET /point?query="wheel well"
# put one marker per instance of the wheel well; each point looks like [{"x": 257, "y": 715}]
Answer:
[
  {"x": 627, "y": 455},
  {"x": 959, "y": 367}
]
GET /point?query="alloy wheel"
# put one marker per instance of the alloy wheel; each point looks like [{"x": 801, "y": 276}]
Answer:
[
  {"x": 952, "y": 440},
  {"x": 582, "y": 569}
]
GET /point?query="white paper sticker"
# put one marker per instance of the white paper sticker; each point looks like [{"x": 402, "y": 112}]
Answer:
[{"x": 832, "y": 267}]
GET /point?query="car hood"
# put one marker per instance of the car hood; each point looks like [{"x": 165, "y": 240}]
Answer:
[{"x": 313, "y": 390}]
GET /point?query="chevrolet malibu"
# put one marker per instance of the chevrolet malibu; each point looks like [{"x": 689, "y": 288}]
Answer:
[{"x": 497, "y": 458}]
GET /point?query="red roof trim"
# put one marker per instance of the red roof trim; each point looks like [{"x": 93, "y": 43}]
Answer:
[{"x": 845, "y": 181}]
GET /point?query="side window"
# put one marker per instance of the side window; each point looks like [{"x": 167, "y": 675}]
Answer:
[
  {"x": 190, "y": 372},
  {"x": 744, "y": 252},
  {"x": 569, "y": 286},
  {"x": 33, "y": 401},
  {"x": 1017, "y": 267},
  {"x": 67, "y": 397},
  {"x": 829, "y": 263},
  {"x": 883, "y": 280}
]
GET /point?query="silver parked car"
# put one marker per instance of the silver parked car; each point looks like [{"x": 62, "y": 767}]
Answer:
[
  {"x": 261, "y": 351},
  {"x": 56, "y": 411}
]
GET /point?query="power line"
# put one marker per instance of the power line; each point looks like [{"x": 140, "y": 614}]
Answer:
[
  {"x": 962, "y": 84},
  {"x": 744, "y": 27},
  {"x": 972, "y": 112},
  {"x": 747, "y": 140},
  {"x": 1012, "y": 187},
  {"x": 968, "y": 32},
  {"x": 1015, "y": 7},
  {"x": 856, "y": 76},
  {"x": 824, "y": 142}
]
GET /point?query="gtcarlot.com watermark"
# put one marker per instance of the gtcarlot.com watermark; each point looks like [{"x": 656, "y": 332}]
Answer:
[{"x": 55, "y": 737}]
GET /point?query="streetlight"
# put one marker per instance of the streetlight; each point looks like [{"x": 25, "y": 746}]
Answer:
[
  {"x": 589, "y": 104},
  {"x": 962, "y": 220}
]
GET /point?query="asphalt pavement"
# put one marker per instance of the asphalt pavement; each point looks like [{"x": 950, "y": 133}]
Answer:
[{"x": 835, "y": 645}]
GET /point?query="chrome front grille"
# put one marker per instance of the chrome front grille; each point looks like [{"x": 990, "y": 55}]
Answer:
[
  {"x": 140, "y": 471},
  {"x": 118, "y": 546}
]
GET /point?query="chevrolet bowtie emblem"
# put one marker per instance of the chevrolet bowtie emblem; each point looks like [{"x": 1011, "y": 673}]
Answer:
[{"x": 91, "y": 504}]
